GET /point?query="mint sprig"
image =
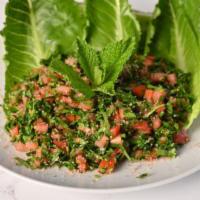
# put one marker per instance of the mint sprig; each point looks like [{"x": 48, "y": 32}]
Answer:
[{"x": 101, "y": 67}]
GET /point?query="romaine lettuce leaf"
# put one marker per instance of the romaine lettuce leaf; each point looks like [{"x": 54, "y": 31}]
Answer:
[
  {"x": 177, "y": 39},
  {"x": 110, "y": 21},
  {"x": 36, "y": 29},
  {"x": 146, "y": 21}
]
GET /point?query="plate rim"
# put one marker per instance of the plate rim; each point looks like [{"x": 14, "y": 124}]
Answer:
[{"x": 103, "y": 190}]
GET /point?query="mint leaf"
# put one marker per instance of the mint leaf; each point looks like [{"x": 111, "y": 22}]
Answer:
[
  {"x": 114, "y": 56},
  {"x": 90, "y": 62},
  {"x": 104, "y": 67},
  {"x": 73, "y": 77}
]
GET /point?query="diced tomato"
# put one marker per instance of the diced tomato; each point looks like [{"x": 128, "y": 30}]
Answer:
[
  {"x": 116, "y": 152},
  {"x": 44, "y": 91},
  {"x": 37, "y": 95},
  {"x": 158, "y": 96},
  {"x": 84, "y": 107},
  {"x": 40, "y": 126},
  {"x": 86, "y": 130},
  {"x": 14, "y": 131},
  {"x": 107, "y": 166},
  {"x": 82, "y": 163},
  {"x": 60, "y": 144},
  {"x": 72, "y": 118},
  {"x": 115, "y": 131},
  {"x": 74, "y": 104},
  {"x": 38, "y": 153},
  {"x": 117, "y": 140},
  {"x": 149, "y": 61},
  {"x": 45, "y": 79},
  {"x": 63, "y": 89},
  {"x": 143, "y": 127},
  {"x": 139, "y": 90},
  {"x": 103, "y": 164},
  {"x": 19, "y": 146},
  {"x": 102, "y": 142},
  {"x": 119, "y": 115},
  {"x": 161, "y": 109},
  {"x": 181, "y": 138},
  {"x": 172, "y": 79},
  {"x": 55, "y": 136},
  {"x": 157, "y": 77},
  {"x": 67, "y": 100},
  {"x": 149, "y": 95},
  {"x": 156, "y": 122},
  {"x": 31, "y": 146}
]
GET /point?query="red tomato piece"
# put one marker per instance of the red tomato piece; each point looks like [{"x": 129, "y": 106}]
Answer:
[
  {"x": 102, "y": 142},
  {"x": 119, "y": 115},
  {"x": 107, "y": 166},
  {"x": 82, "y": 163},
  {"x": 149, "y": 61},
  {"x": 40, "y": 126},
  {"x": 117, "y": 140},
  {"x": 181, "y": 138},
  {"x": 158, "y": 95},
  {"x": 14, "y": 131},
  {"x": 156, "y": 122},
  {"x": 63, "y": 89},
  {"x": 149, "y": 95},
  {"x": 60, "y": 144},
  {"x": 72, "y": 118},
  {"x": 143, "y": 127},
  {"x": 172, "y": 79},
  {"x": 115, "y": 131},
  {"x": 139, "y": 90}
]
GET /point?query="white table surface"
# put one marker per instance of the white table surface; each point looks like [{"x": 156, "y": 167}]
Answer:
[{"x": 15, "y": 188}]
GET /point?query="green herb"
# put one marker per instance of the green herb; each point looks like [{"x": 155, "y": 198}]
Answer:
[
  {"x": 144, "y": 175},
  {"x": 104, "y": 67}
]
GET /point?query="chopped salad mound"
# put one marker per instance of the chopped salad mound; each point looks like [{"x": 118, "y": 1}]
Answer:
[{"x": 56, "y": 125}]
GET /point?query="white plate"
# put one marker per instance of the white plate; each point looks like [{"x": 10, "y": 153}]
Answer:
[{"x": 125, "y": 178}]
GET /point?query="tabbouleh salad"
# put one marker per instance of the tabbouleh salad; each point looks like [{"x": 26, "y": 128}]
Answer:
[{"x": 56, "y": 125}]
